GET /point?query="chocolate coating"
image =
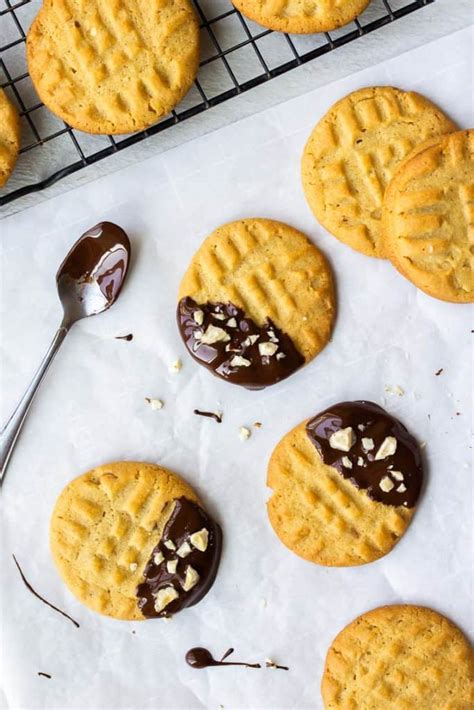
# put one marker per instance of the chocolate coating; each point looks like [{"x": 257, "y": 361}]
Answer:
[
  {"x": 202, "y": 658},
  {"x": 369, "y": 421},
  {"x": 187, "y": 518},
  {"x": 220, "y": 357}
]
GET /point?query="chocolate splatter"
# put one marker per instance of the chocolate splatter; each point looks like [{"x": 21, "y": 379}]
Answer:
[
  {"x": 45, "y": 675},
  {"x": 439, "y": 371},
  {"x": 375, "y": 452},
  {"x": 28, "y": 586},
  {"x": 202, "y": 658},
  {"x": 183, "y": 566},
  {"x": 128, "y": 337},
  {"x": 211, "y": 415},
  {"x": 271, "y": 664},
  {"x": 232, "y": 346}
]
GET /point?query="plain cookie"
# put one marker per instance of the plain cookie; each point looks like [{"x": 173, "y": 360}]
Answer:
[
  {"x": 301, "y": 16},
  {"x": 116, "y": 530},
  {"x": 353, "y": 153},
  {"x": 113, "y": 67},
  {"x": 257, "y": 302},
  {"x": 428, "y": 217},
  {"x": 344, "y": 485},
  {"x": 9, "y": 137},
  {"x": 399, "y": 658}
]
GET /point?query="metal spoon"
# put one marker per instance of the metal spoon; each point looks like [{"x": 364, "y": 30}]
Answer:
[{"x": 89, "y": 281}]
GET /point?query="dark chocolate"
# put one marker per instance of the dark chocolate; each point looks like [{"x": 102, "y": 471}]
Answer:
[
  {"x": 202, "y": 658},
  {"x": 128, "y": 337},
  {"x": 237, "y": 357},
  {"x": 395, "y": 479},
  {"x": 101, "y": 256},
  {"x": 210, "y": 415},
  {"x": 187, "y": 518},
  {"x": 38, "y": 596}
]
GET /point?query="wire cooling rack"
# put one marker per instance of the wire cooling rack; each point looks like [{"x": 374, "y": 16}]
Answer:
[{"x": 236, "y": 55}]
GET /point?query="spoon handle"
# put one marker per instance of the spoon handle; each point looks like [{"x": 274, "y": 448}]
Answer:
[{"x": 12, "y": 428}]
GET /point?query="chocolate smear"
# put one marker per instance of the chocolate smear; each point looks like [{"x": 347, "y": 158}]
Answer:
[
  {"x": 184, "y": 564},
  {"x": 128, "y": 337},
  {"x": 202, "y": 658},
  {"x": 45, "y": 675},
  {"x": 232, "y": 346},
  {"x": 28, "y": 586},
  {"x": 211, "y": 415},
  {"x": 378, "y": 454}
]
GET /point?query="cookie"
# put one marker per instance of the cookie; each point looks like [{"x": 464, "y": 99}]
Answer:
[
  {"x": 428, "y": 217},
  {"x": 353, "y": 153},
  {"x": 398, "y": 658},
  {"x": 345, "y": 485},
  {"x": 256, "y": 303},
  {"x": 115, "y": 66},
  {"x": 299, "y": 17},
  {"x": 9, "y": 137},
  {"x": 132, "y": 541}
]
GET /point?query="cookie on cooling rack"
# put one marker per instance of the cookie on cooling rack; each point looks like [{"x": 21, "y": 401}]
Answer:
[
  {"x": 256, "y": 303},
  {"x": 353, "y": 153},
  {"x": 132, "y": 541},
  {"x": 345, "y": 485},
  {"x": 398, "y": 658},
  {"x": 298, "y": 17},
  {"x": 428, "y": 217},
  {"x": 105, "y": 68},
  {"x": 9, "y": 137}
]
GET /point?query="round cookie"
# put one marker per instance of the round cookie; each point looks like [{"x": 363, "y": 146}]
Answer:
[
  {"x": 113, "y": 67},
  {"x": 116, "y": 529},
  {"x": 398, "y": 658},
  {"x": 353, "y": 153},
  {"x": 256, "y": 303},
  {"x": 345, "y": 485},
  {"x": 301, "y": 16},
  {"x": 9, "y": 137},
  {"x": 428, "y": 217}
]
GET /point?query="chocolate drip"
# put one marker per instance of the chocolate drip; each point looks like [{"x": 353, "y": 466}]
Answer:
[
  {"x": 210, "y": 415},
  {"x": 38, "y": 596},
  {"x": 202, "y": 658},
  {"x": 393, "y": 480},
  {"x": 128, "y": 337},
  {"x": 96, "y": 266},
  {"x": 237, "y": 357},
  {"x": 187, "y": 518}
]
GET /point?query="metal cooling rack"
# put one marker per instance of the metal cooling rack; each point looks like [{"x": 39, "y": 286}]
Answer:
[{"x": 237, "y": 55}]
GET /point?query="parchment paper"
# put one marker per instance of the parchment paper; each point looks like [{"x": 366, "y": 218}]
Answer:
[{"x": 266, "y": 602}]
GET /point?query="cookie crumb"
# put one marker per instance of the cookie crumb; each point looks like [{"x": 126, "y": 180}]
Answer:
[
  {"x": 244, "y": 433},
  {"x": 154, "y": 403},
  {"x": 176, "y": 366},
  {"x": 257, "y": 425},
  {"x": 394, "y": 389}
]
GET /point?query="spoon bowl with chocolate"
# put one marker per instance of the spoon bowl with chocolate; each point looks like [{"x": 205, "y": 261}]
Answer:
[{"x": 89, "y": 281}]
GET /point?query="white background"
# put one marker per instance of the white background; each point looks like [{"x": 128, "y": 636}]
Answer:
[{"x": 91, "y": 410}]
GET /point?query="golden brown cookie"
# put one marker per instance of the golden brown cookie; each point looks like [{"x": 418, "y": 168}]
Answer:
[
  {"x": 428, "y": 217},
  {"x": 9, "y": 137},
  {"x": 257, "y": 302},
  {"x": 115, "y": 66},
  {"x": 353, "y": 153},
  {"x": 301, "y": 16},
  {"x": 131, "y": 541},
  {"x": 345, "y": 485},
  {"x": 399, "y": 657}
]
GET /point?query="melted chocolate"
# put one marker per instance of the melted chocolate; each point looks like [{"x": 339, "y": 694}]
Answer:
[
  {"x": 128, "y": 337},
  {"x": 38, "y": 596},
  {"x": 187, "y": 518},
  {"x": 224, "y": 357},
  {"x": 95, "y": 268},
  {"x": 202, "y": 658},
  {"x": 368, "y": 421},
  {"x": 210, "y": 415}
]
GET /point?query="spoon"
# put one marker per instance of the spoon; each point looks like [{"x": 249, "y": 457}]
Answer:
[{"x": 89, "y": 281}]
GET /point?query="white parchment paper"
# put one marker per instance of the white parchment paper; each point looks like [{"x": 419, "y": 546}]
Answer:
[{"x": 266, "y": 602}]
